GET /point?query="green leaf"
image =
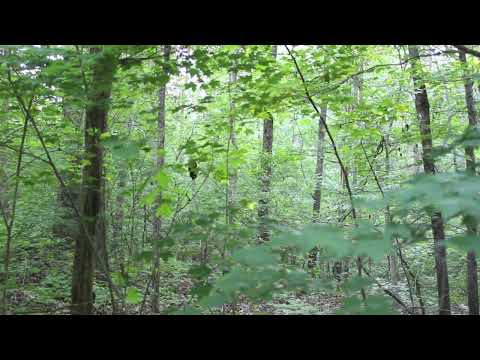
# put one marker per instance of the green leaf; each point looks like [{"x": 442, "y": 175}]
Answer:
[
  {"x": 313, "y": 236},
  {"x": 146, "y": 255},
  {"x": 200, "y": 271},
  {"x": 133, "y": 296},
  {"x": 122, "y": 148},
  {"x": 465, "y": 243},
  {"x": 356, "y": 283},
  {"x": 164, "y": 210},
  {"x": 378, "y": 305},
  {"x": 369, "y": 242},
  {"x": 215, "y": 300},
  {"x": 150, "y": 198},
  {"x": 201, "y": 290},
  {"x": 162, "y": 179},
  {"x": 256, "y": 256}
]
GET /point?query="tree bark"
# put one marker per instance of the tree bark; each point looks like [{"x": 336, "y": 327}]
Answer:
[
  {"x": 266, "y": 175},
  {"x": 119, "y": 217},
  {"x": 422, "y": 107},
  {"x": 417, "y": 157},
  {"x": 232, "y": 174},
  {"x": 470, "y": 222},
  {"x": 92, "y": 198},
  {"x": 317, "y": 195}
]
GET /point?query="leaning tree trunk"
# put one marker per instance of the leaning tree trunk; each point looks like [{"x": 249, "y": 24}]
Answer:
[
  {"x": 422, "y": 107},
  {"x": 92, "y": 184},
  {"x": 470, "y": 222},
  {"x": 266, "y": 172},
  {"x": 157, "y": 220}
]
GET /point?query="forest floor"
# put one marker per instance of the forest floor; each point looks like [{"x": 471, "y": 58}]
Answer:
[
  {"x": 294, "y": 304},
  {"x": 41, "y": 285}
]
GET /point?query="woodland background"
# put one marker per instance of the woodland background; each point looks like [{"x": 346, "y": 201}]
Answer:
[{"x": 239, "y": 179}]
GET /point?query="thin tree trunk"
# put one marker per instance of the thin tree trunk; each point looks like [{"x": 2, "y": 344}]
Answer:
[
  {"x": 317, "y": 194},
  {"x": 266, "y": 175},
  {"x": 157, "y": 220},
  {"x": 102, "y": 222},
  {"x": 470, "y": 222},
  {"x": 455, "y": 162},
  {"x": 232, "y": 174},
  {"x": 423, "y": 112},
  {"x": 357, "y": 94},
  {"x": 9, "y": 223},
  {"x": 92, "y": 187},
  {"x": 119, "y": 217},
  {"x": 417, "y": 157}
]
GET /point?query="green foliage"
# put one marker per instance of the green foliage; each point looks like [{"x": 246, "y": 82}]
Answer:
[{"x": 207, "y": 194}]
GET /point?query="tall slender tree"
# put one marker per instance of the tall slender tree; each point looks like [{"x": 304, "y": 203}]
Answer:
[
  {"x": 320, "y": 154},
  {"x": 160, "y": 161},
  {"x": 266, "y": 171},
  {"x": 470, "y": 222},
  {"x": 232, "y": 142},
  {"x": 422, "y": 107},
  {"x": 317, "y": 194}
]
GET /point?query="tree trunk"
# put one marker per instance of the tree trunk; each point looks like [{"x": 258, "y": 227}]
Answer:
[
  {"x": 422, "y": 107},
  {"x": 102, "y": 223},
  {"x": 266, "y": 174},
  {"x": 233, "y": 174},
  {"x": 317, "y": 194},
  {"x": 92, "y": 184},
  {"x": 119, "y": 216},
  {"x": 157, "y": 220},
  {"x": 417, "y": 157},
  {"x": 470, "y": 222}
]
